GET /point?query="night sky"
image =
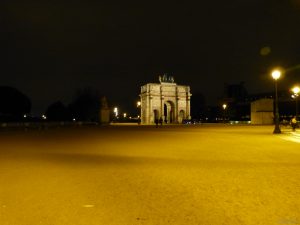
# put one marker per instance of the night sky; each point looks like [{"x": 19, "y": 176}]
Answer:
[{"x": 50, "y": 49}]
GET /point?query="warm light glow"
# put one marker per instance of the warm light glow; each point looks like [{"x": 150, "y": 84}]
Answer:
[
  {"x": 296, "y": 90},
  {"x": 116, "y": 111},
  {"x": 74, "y": 119},
  {"x": 25, "y": 116},
  {"x": 138, "y": 103},
  {"x": 224, "y": 106},
  {"x": 276, "y": 74},
  {"x": 124, "y": 115}
]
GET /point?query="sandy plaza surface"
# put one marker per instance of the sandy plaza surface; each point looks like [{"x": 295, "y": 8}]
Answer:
[{"x": 136, "y": 175}]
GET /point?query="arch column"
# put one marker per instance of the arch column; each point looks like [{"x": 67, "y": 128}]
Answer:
[
  {"x": 151, "y": 119},
  {"x": 162, "y": 107},
  {"x": 188, "y": 107},
  {"x": 177, "y": 109}
]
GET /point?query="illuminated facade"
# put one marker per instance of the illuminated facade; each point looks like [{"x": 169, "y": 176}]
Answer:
[
  {"x": 262, "y": 111},
  {"x": 165, "y": 100}
]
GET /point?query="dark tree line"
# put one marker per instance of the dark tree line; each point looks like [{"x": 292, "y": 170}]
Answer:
[
  {"x": 13, "y": 104},
  {"x": 57, "y": 111},
  {"x": 198, "y": 106},
  {"x": 84, "y": 107}
]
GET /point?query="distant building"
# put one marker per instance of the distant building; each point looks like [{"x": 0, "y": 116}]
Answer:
[
  {"x": 235, "y": 92},
  {"x": 165, "y": 100},
  {"x": 262, "y": 111},
  {"x": 242, "y": 106},
  {"x": 236, "y": 98}
]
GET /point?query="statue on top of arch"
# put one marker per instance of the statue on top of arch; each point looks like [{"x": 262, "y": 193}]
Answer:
[{"x": 166, "y": 79}]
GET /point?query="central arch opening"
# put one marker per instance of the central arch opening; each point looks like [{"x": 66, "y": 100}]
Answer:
[
  {"x": 181, "y": 116},
  {"x": 169, "y": 112},
  {"x": 156, "y": 114}
]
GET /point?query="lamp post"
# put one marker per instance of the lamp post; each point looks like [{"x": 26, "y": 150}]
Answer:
[
  {"x": 276, "y": 75},
  {"x": 116, "y": 112},
  {"x": 138, "y": 105},
  {"x": 224, "y": 108},
  {"x": 296, "y": 91}
]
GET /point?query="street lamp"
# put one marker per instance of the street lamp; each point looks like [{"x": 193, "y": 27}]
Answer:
[
  {"x": 116, "y": 112},
  {"x": 224, "y": 107},
  {"x": 276, "y": 75},
  {"x": 296, "y": 91},
  {"x": 138, "y": 105},
  {"x": 139, "y": 109}
]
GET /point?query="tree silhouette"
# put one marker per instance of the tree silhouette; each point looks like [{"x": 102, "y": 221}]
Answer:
[
  {"x": 13, "y": 103},
  {"x": 58, "y": 112},
  {"x": 198, "y": 106},
  {"x": 86, "y": 105}
]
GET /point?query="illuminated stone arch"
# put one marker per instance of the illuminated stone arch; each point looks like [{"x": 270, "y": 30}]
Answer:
[{"x": 165, "y": 100}]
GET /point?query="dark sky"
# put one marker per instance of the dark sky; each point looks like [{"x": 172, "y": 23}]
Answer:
[{"x": 49, "y": 49}]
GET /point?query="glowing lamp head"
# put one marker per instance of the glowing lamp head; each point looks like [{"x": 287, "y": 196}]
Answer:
[
  {"x": 276, "y": 74},
  {"x": 224, "y": 106},
  {"x": 116, "y": 111},
  {"x": 296, "y": 90}
]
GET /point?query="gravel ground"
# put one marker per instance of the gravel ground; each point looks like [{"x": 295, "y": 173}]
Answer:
[{"x": 135, "y": 175}]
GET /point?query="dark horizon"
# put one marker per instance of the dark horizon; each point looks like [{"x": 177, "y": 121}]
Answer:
[{"x": 50, "y": 50}]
